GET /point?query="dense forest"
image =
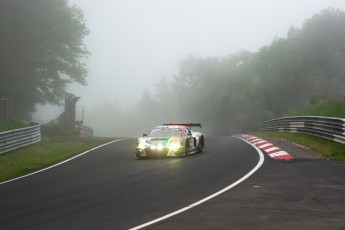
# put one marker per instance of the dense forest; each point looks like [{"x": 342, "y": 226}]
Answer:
[{"x": 233, "y": 93}]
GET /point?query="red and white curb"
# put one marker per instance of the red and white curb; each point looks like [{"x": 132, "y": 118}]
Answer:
[{"x": 271, "y": 150}]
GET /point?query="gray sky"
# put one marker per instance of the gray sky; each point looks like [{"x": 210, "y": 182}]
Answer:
[{"x": 136, "y": 42}]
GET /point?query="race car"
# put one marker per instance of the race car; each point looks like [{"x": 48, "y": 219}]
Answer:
[{"x": 170, "y": 140}]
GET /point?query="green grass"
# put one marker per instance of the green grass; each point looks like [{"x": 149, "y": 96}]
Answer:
[
  {"x": 328, "y": 149},
  {"x": 49, "y": 151},
  {"x": 11, "y": 124}
]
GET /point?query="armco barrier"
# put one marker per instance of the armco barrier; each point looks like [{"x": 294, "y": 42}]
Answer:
[
  {"x": 330, "y": 128},
  {"x": 14, "y": 139},
  {"x": 84, "y": 131},
  {"x": 87, "y": 131}
]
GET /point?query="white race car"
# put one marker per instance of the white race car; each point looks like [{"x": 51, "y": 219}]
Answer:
[{"x": 170, "y": 140}]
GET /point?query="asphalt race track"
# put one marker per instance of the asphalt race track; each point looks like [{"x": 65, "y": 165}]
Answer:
[{"x": 109, "y": 189}]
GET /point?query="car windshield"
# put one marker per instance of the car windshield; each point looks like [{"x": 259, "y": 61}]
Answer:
[{"x": 165, "y": 133}]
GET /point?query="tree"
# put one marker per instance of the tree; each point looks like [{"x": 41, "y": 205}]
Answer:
[
  {"x": 41, "y": 52},
  {"x": 322, "y": 41},
  {"x": 236, "y": 92}
]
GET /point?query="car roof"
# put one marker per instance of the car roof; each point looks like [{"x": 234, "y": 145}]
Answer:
[{"x": 169, "y": 127}]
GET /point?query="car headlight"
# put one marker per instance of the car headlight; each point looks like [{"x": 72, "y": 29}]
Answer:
[{"x": 142, "y": 146}]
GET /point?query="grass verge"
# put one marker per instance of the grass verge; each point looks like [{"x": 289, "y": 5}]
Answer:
[
  {"x": 49, "y": 151},
  {"x": 11, "y": 124},
  {"x": 328, "y": 149}
]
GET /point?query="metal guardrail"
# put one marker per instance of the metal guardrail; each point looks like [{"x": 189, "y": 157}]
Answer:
[
  {"x": 329, "y": 128},
  {"x": 87, "y": 131},
  {"x": 14, "y": 139},
  {"x": 84, "y": 131}
]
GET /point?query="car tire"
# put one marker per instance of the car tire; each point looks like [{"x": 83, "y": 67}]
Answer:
[
  {"x": 201, "y": 144},
  {"x": 138, "y": 156},
  {"x": 200, "y": 148}
]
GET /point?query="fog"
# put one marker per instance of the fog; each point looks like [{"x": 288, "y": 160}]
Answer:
[{"x": 135, "y": 43}]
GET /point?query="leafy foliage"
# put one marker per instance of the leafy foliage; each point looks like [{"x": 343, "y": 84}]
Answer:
[
  {"x": 321, "y": 106},
  {"x": 238, "y": 91},
  {"x": 42, "y": 51}
]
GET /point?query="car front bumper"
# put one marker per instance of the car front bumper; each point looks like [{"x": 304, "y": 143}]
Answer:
[{"x": 165, "y": 152}]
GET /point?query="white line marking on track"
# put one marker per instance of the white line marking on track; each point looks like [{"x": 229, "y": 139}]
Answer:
[
  {"x": 264, "y": 145},
  {"x": 60, "y": 163},
  {"x": 258, "y": 165},
  {"x": 260, "y": 142},
  {"x": 256, "y": 140},
  {"x": 271, "y": 149},
  {"x": 277, "y": 154}
]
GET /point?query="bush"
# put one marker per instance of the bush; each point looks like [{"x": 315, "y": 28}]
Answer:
[{"x": 321, "y": 106}]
